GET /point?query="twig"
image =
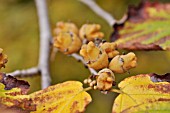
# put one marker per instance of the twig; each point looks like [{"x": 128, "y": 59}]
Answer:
[
  {"x": 102, "y": 13},
  {"x": 45, "y": 38},
  {"x": 26, "y": 72},
  {"x": 99, "y": 11},
  {"x": 79, "y": 58}
]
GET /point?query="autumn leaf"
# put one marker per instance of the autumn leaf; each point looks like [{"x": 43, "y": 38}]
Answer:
[
  {"x": 11, "y": 82},
  {"x": 3, "y": 59},
  {"x": 147, "y": 28},
  {"x": 12, "y": 93},
  {"x": 67, "y": 97},
  {"x": 141, "y": 94}
]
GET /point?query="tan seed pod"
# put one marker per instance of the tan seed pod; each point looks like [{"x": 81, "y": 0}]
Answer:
[
  {"x": 67, "y": 42},
  {"x": 90, "y": 32},
  {"x": 122, "y": 63},
  {"x": 105, "y": 79},
  {"x": 110, "y": 49},
  {"x": 3, "y": 59},
  {"x": 94, "y": 57},
  {"x": 65, "y": 27}
]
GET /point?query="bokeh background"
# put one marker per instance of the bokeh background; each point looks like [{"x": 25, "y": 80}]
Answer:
[{"x": 19, "y": 37}]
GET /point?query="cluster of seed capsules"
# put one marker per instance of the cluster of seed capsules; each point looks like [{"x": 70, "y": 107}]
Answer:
[{"x": 98, "y": 54}]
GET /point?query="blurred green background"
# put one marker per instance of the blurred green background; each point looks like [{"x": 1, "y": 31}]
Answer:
[{"x": 19, "y": 37}]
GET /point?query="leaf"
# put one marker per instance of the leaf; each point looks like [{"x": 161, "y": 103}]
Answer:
[
  {"x": 67, "y": 97},
  {"x": 11, "y": 93},
  {"x": 3, "y": 59},
  {"x": 147, "y": 28},
  {"x": 141, "y": 94},
  {"x": 11, "y": 82}
]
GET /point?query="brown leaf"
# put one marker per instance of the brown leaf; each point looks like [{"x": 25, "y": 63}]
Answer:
[
  {"x": 145, "y": 29},
  {"x": 160, "y": 78},
  {"x": 12, "y": 94},
  {"x": 11, "y": 82}
]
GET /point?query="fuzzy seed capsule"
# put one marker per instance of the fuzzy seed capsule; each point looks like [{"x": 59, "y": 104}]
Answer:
[
  {"x": 65, "y": 27},
  {"x": 90, "y": 32},
  {"x": 67, "y": 42},
  {"x": 92, "y": 54},
  {"x": 105, "y": 79},
  {"x": 122, "y": 63}
]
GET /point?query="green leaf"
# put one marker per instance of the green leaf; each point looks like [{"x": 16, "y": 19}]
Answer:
[
  {"x": 140, "y": 95},
  {"x": 147, "y": 28}
]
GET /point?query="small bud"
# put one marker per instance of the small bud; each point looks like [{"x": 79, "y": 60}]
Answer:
[
  {"x": 89, "y": 81},
  {"x": 85, "y": 81},
  {"x": 95, "y": 87},
  {"x": 91, "y": 84}
]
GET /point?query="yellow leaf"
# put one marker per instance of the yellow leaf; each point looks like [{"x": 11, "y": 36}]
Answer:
[
  {"x": 67, "y": 97},
  {"x": 140, "y": 94},
  {"x": 15, "y": 98},
  {"x": 12, "y": 93}
]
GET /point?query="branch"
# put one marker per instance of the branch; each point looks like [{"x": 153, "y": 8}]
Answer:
[
  {"x": 99, "y": 11},
  {"x": 102, "y": 13},
  {"x": 45, "y": 38},
  {"x": 26, "y": 72},
  {"x": 79, "y": 58}
]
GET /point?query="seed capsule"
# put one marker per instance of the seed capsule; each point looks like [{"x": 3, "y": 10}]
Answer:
[
  {"x": 92, "y": 54},
  {"x": 67, "y": 42},
  {"x": 105, "y": 79},
  {"x": 90, "y": 32},
  {"x": 65, "y": 27},
  {"x": 122, "y": 63}
]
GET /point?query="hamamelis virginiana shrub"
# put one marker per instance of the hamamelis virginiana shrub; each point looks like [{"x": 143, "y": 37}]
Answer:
[
  {"x": 141, "y": 93},
  {"x": 106, "y": 61},
  {"x": 70, "y": 96}
]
